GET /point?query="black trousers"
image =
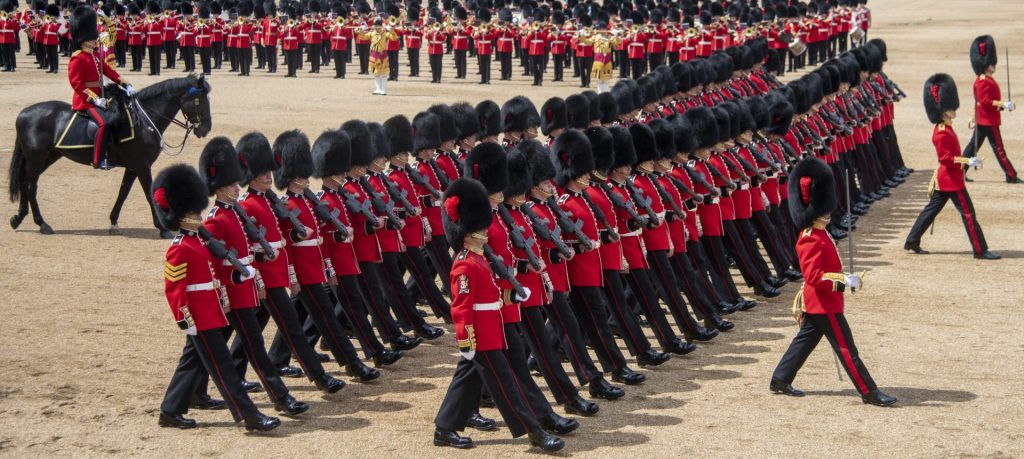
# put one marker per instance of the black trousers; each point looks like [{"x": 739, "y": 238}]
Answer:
[
  {"x": 622, "y": 312},
  {"x": 154, "y": 60},
  {"x": 435, "y": 67},
  {"x": 319, "y": 307},
  {"x": 505, "y": 61},
  {"x": 737, "y": 248},
  {"x": 835, "y": 328},
  {"x": 171, "y": 54},
  {"x": 217, "y": 50},
  {"x": 994, "y": 138},
  {"x": 655, "y": 59},
  {"x": 249, "y": 339},
  {"x": 488, "y": 369},
  {"x": 665, "y": 280},
  {"x": 393, "y": 65},
  {"x": 8, "y": 59},
  {"x": 563, "y": 325},
  {"x": 962, "y": 200},
  {"x": 749, "y": 235},
  {"x": 51, "y": 62},
  {"x": 292, "y": 58},
  {"x": 233, "y": 58},
  {"x": 363, "y": 50},
  {"x": 416, "y": 264},
  {"x": 639, "y": 66},
  {"x": 672, "y": 58},
  {"x": 586, "y": 67},
  {"x": 315, "y": 57},
  {"x": 208, "y": 351},
  {"x": 261, "y": 56},
  {"x": 401, "y": 302},
  {"x": 440, "y": 257},
  {"x": 204, "y": 60},
  {"x": 701, "y": 267},
  {"x": 121, "y": 52},
  {"x": 188, "y": 54},
  {"x": 414, "y": 61},
  {"x": 244, "y": 58},
  {"x": 542, "y": 346},
  {"x": 485, "y": 68},
  {"x": 352, "y": 306},
  {"x": 714, "y": 248},
  {"x": 517, "y": 351},
  {"x": 623, "y": 63},
  {"x": 271, "y": 59},
  {"x": 372, "y": 286},
  {"x": 339, "y": 63},
  {"x": 591, "y": 309},
  {"x": 537, "y": 69},
  {"x": 647, "y": 295},
  {"x": 288, "y": 341},
  {"x": 559, "y": 65},
  {"x": 689, "y": 281}
]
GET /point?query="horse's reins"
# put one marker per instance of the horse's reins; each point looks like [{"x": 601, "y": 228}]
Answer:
[{"x": 187, "y": 125}]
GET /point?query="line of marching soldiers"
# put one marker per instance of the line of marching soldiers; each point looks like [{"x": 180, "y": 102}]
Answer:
[
  {"x": 641, "y": 197},
  {"x": 582, "y": 37}
]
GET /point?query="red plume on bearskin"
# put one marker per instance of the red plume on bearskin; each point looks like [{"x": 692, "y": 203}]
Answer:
[
  {"x": 488, "y": 163},
  {"x": 219, "y": 164},
  {"x": 255, "y": 156},
  {"x": 466, "y": 210},
  {"x": 177, "y": 191},
  {"x": 811, "y": 182},
  {"x": 940, "y": 95},
  {"x": 296, "y": 159},
  {"x": 554, "y": 115},
  {"x": 983, "y": 54},
  {"x": 572, "y": 156}
]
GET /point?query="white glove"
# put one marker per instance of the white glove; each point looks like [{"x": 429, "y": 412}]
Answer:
[
  {"x": 974, "y": 161},
  {"x": 191, "y": 331},
  {"x": 520, "y": 299},
  {"x": 130, "y": 90},
  {"x": 250, "y": 272},
  {"x": 101, "y": 103},
  {"x": 1009, "y": 105},
  {"x": 468, "y": 355},
  {"x": 853, "y": 281}
]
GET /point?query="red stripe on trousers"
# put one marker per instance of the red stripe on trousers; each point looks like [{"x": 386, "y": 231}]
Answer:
[
  {"x": 252, "y": 356},
  {"x": 497, "y": 380},
  {"x": 220, "y": 378},
  {"x": 287, "y": 337},
  {"x": 1001, "y": 153},
  {"x": 102, "y": 127},
  {"x": 966, "y": 210},
  {"x": 845, "y": 352}
]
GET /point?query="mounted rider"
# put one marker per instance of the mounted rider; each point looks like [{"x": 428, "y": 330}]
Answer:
[{"x": 85, "y": 73}]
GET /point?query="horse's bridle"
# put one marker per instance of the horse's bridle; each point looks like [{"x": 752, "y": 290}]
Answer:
[{"x": 192, "y": 117}]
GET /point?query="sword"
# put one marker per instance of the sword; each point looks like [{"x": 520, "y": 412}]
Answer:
[
  {"x": 849, "y": 220},
  {"x": 1009, "y": 93}
]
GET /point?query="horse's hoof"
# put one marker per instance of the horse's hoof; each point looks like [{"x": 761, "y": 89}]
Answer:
[
  {"x": 165, "y": 234},
  {"x": 115, "y": 230},
  {"x": 45, "y": 229},
  {"x": 16, "y": 221}
]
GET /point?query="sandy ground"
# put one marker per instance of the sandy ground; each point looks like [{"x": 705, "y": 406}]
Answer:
[{"x": 89, "y": 345}]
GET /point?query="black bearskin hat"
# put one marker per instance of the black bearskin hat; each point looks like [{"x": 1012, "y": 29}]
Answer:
[
  {"x": 609, "y": 107},
  {"x": 664, "y": 138},
  {"x": 704, "y": 126},
  {"x": 577, "y": 110},
  {"x": 683, "y": 74},
  {"x": 539, "y": 159},
  {"x": 601, "y": 148},
  {"x": 362, "y": 142},
  {"x": 218, "y": 164},
  {"x": 296, "y": 159},
  {"x": 489, "y": 115},
  {"x": 648, "y": 89},
  {"x": 983, "y": 54},
  {"x": 880, "y": 45},
  {"x": 518, "y": 114},
  {"x": 622, "y": 142},
  {"x": 178, "y": 190},
  {"x": 426, "y": 132},
  {"x": 572, "y": 157},
  {"x": 449, "y": 130},
  {"x": 466, "y": 120},
  {"x": 940, "y": 95},
  {"x": 758, "y": 109},
  {"x": 255, "y": 156},
  {"x": 83, "y": 26},
  {"x": 593, "y": 105},
  {"x": 488, "y": 163},
  {"x": 724, "y": 122},
  {"x": 519, "y": 180},
  {"x": 398, "y": 131},
  {"x": 553, "y": 116},
  {"x": 186, "y": 9},
  {"x": 332, "y": 154},
  {"x": 812, "y": 192},
  {"x": 643, "y": 143},
  {"x": 623, "y": 97},
  {"x": 780, "y": 115},
  {"x": 682, "y": 131},
  {"x": 152, "y": 7},
  {"x": 381, "y": 148},
  {"x": 52, "y": 10},
  {"x": 465, "y": 210}
]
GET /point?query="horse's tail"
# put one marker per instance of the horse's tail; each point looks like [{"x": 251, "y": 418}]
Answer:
[{"x": 16, "y": 171}]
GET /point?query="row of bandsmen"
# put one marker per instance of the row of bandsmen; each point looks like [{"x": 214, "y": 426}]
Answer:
[
  {"x": 650, "y": 189},
  {"x": 582, "y": 37}
]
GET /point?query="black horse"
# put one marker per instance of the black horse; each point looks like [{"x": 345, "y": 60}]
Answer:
[{"x": 39, "y": 127}]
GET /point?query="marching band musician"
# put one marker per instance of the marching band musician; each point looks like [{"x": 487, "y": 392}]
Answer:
[
  {"x": 169, "y": 31},
  {"x": 483, "y": 38},
  {"x": 186, "y": 35},
  {"x": 436, "y": 37},
  {"x": 414, "y": 39}
]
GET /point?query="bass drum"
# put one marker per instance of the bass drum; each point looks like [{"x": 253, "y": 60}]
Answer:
[{"x": 797, "y": 47}]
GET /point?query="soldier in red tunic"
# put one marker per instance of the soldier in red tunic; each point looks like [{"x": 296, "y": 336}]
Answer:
[
  {"x": 988, "y": 103},
  {"x": 941, "y": 102},
  {"x": 479, "y": 332},
  {"x": 819, "y": 306},
  {"x": 85, "y": 73},
  {"x": 179, "y": 195}
]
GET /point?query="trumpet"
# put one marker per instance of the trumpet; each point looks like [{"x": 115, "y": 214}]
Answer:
[
  {"x": 291, "y": 22},
  {"x": 392, "y": 21},
  {"x": 437, "y": 26},
  {"x": 691, "y": 32},
  {"x": 3, "y": 15},
  {"x": 340, "y": 21}
]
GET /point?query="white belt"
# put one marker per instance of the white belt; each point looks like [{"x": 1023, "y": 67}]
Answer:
[
  {"x": 200, "y": 287},
  {"x": 745, "y": 186},
  {"x": 655, "y": 40},
  {"x": 661, "y": 215},
  {"x": 631, "y": 234},
  {"x": 436, "y": 42},
  {"x": 276, "y": 244},
  {"x": 245, "y": 261},
  {"x": 716, "y": 200},
  {"x": 506, "y": 39},
  {"x": 307, "y": 243},
  {"x": 636, "y": 44},
  {"x": 704, "y": 42},
  {"x": 495, "y": 306}
]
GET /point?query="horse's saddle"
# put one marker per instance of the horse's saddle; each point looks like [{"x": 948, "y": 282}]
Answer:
[{"x": 81, "y": 130}]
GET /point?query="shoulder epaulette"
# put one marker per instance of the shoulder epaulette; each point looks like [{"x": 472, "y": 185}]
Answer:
[
  {"x": 563, "y": 199},
  {"x": 212, "y": 212},
  {"x": 463, "y": 254},
  {"x": 807, "y": 232},
  {"x": 177, "y": 239}
]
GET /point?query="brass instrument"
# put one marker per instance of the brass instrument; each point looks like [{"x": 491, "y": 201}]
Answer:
[
  {"x": 3, "y": 15},
  {"x": 691, "y": 32},
  {"x": 437, "y": 26},
  {"x": 291, "y": 22},
  {"x": 392, "y": 21},
  {"x": 340, "y": 21}
]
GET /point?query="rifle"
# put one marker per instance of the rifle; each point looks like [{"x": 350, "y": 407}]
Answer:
[
  {"x": 282, "y": 212},
  {"x": 354, "y": 206},
  {"x": 665, "y": 197},
  {"x": 502, "y": 271},
  {"x": 325, "y": 214},
  {"x": 397, "y": 195},
  {"x": 379, "y": 205},
  {"x": 422, "y": 181},
  {"x": 564, "y": 221},
  {"x": 643, "y": 201},
  {"x": 252, "y": 232},
  {"x": 220, "y": 250},
  {"x": 620, "y": 202},
  {"x": 540, "y": 228},
  {"x": 519, "y": 240},
  {"x": 442, "y": 177}
]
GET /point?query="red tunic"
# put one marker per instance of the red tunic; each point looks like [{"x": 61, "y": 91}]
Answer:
[
  {"x": 497, "y": 238},
  {"x": 950, "y": 174},
  {"x": 85, "y": 71},
  {"x": 476, "y": 301},
  {"x": 225, "y": 225},
  {"x": 710, "y": 212},
  {"x": 189, "y": 284},
  {"x": 413, "y": 231},
  {"x": 557, "y": 272},
  {"x": 390, "y": 240},
  {"x": 365, "y": 243},
  {"x": 307, "y": 255},
  {"x": 654, "y": 238},
  {"x": 186, "y": 34},
  {"x": 272, "y": 31},
  {"x": 529, "y": 279},
  {"x": 274, "y": 273},
  {"x": 342, "y": 255},
  {"x": 824, "y": 280},
  {"x": 632, "y": 242},
  {"x": 986, "y": 90},
  {"x": 611, "y": 253},
  {"x": 585, "y": 269}
]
